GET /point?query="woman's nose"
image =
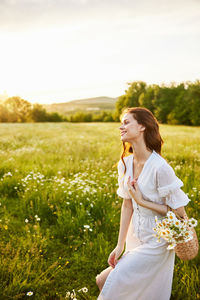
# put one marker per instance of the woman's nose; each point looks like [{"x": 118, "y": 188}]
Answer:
[{"x": 121, "y": 127}]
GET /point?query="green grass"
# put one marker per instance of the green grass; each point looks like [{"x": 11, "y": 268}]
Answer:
[{"x": 56, "y": 178}]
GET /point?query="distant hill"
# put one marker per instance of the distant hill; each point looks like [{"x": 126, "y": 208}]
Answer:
[{"x": 86, "y": 105}]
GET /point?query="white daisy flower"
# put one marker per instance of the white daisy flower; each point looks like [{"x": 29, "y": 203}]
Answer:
[
  {"x": 67, "y": 295},
  {"x": 192, "y": 222},
  {"x": 171, "y": 216},
  {"x": 29, "y": 293},
  {"x": 177, "y": 223},
  {"x": 172, "y": 246}
]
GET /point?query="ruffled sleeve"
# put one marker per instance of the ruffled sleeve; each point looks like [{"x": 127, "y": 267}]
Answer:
[
  {"x": 121, "y": 191},
  {"x": 169, "y": 187}
]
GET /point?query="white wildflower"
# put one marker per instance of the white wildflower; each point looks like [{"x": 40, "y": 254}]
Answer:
[
  {"x": 68, "y": 294},
  {"x": 29, "y": 293},
  {"x": 192, "y": 222},
  {"x": 85, "y": 290},
  {"x": 172, "y": 246},
  {"x": 86, "y": 226}
]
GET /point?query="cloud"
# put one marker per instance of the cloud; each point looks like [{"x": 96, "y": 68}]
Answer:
[{"x": 32, "y": 14}]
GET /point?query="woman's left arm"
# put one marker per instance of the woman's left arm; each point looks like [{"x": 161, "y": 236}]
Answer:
[
  {"x": 137, "y": 195},
  {"x": 160, "y": 208}
]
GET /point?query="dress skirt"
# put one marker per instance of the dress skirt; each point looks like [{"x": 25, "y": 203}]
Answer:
[{"x": 145, "y": 271}]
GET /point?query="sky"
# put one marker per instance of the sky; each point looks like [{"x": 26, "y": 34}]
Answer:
[{"x": 60, "y": 50}]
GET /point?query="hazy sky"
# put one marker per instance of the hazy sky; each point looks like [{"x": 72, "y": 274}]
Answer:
[{"x": 60, "y": 50}]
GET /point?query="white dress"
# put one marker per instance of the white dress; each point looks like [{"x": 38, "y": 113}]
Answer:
[{"x": 145, "y": 271}]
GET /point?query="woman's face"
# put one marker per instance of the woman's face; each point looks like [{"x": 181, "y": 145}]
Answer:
[{"x": 130, "y": 129}]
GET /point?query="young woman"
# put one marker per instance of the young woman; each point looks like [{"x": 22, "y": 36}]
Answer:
[{"x": 148, "y": 185}]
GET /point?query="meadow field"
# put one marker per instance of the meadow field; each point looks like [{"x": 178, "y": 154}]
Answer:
[{"x": 59, "y": 211}]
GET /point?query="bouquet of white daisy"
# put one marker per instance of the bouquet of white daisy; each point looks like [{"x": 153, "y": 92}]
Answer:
[{"x": 174, "y": 230}]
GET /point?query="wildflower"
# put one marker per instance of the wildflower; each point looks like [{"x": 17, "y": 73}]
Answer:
[
  {"x": 6, "y": 227},
  {"x": 163, "y": 232},
  {"x": 173, "y": 230},
  {"x": 171, "y": 216},
  {"x": 172, "y": 246},
  {"x": 192, "y": 222},
  {"x": 26, "y": 221},
  {"x": 86, "y": 226},
  {"x": 29, "y": 293},
  {"x": 85, "y": 290},
  {"x": 68, "y": 294},
  {"x": 177, "y": 223}
]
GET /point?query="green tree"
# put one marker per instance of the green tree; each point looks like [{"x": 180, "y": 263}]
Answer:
[
  {"x": 194, "y": 95},
  {"x": 19, "y": 109},
  {"x": 131, "y": 97},
  {"x": 165, "y": 102},
  {"x": 148, "y": 98},
  {"x": 4, "y": 114},
  {"x": 54, "y": 117},
  {"x": 181, "y": 113},
  {"x": 39, "y": 114}
]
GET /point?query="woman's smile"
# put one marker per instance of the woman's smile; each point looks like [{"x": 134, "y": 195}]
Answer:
[{"x": 122, "y": 132}]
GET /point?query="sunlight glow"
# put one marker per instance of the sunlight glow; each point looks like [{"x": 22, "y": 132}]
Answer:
[{"x": 98, "y": 55}]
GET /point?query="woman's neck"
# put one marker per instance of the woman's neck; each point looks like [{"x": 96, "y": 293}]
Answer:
[{"x": 141, "y": 153}]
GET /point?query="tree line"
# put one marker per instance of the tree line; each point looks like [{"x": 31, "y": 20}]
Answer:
[
  {"x": 171, "y": 104},
  {"x": 18, "y": 110}
]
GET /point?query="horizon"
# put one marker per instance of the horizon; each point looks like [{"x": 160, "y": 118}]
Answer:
[{"x": 79, "y": 49}]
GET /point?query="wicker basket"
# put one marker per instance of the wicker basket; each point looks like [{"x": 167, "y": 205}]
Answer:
[{"x": 187, "y": 250}]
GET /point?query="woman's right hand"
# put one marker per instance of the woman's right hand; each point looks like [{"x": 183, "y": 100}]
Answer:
[{"x": 114, "y": 255}]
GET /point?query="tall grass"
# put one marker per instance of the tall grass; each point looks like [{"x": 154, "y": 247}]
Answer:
[{"x": 59, "y": 212}]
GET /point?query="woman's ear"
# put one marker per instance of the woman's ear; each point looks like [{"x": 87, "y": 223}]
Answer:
[{"x": 142, "y": 128}]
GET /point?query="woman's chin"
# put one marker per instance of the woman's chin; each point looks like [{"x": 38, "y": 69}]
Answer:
[{"x": 123, "y": 139}]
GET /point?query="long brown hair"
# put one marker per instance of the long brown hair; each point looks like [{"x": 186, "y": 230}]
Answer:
[{"x": 152, "y": 137}]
